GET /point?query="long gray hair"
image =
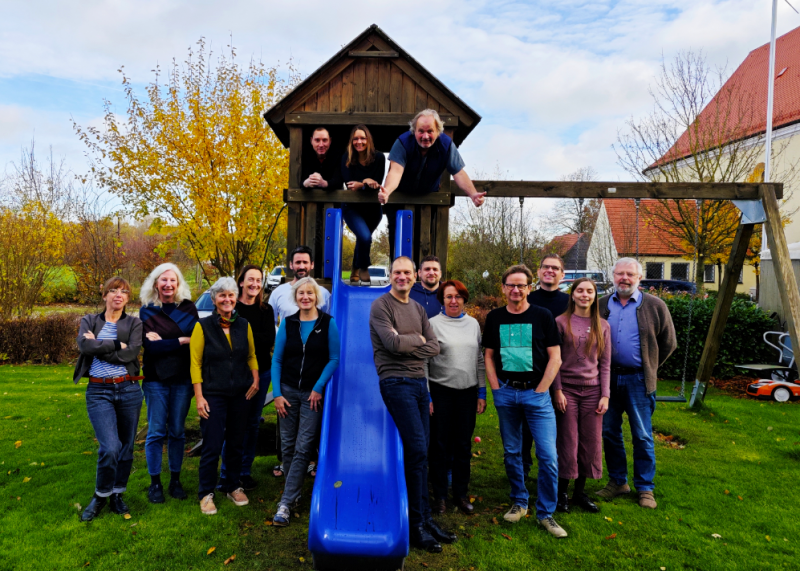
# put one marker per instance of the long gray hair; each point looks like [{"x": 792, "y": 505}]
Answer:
[{"x": 149, "y": 294}]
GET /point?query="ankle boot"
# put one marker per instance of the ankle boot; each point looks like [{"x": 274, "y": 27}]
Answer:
[
  {"x": 422, "y": 539},
  {"x": 563, "y": 503},
  {"x": 94, "y": 508},
  {"x": 117, "y": 505},
  {"x": 438, "y": 533}
]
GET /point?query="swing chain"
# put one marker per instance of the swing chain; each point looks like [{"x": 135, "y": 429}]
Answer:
[{"x": 695, "y": 262}]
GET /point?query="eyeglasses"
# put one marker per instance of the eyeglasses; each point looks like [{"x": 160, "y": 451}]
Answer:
[
  {"x": 553, "y": 268},
  {"x": 455, "y": 297},
  {"x": 115, "y": 291},
  {"x": 520, "y": 287}
]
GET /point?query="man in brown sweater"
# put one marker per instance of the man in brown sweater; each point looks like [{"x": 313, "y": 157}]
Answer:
[
  {"x": 642, "y": 337},
  {"x": 402, "y": 339}
]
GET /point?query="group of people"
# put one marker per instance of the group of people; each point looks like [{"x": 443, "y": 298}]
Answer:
[
  {"x": 563, "y": 368},
  {"x": 226, "y": 361}
]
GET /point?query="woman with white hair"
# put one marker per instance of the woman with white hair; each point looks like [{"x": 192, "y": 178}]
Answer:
[
  {"x": 306, "y": 355},
  {"x": 168, "y": 318},
  {"x": 225, "y": 378}
]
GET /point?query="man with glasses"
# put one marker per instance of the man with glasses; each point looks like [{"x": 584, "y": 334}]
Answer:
[
  {"x": 523, "y": 354},
  {"x": 548, "y": 296},
  {"x": 643, "y": 336}
]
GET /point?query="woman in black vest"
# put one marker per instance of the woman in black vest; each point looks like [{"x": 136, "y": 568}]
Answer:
[
  {"x": 306, "y": 355},
  {"x": 225, "y": 377}
]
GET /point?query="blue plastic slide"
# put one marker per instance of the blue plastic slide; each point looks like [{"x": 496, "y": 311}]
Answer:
[{"x": 359, "y": 507}]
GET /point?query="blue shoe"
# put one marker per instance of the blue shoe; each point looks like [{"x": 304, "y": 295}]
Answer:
[{"x": 283, "y": 516}]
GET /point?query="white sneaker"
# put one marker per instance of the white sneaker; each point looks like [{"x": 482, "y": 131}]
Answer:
[
  {"x": 516, "y": 513},
  {"x": 207, "y": 505},
  {"x": 551, "y": 526}
]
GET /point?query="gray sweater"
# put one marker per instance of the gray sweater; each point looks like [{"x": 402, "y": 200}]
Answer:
[
  {"x": 129, "y": 331},
  {"x": 459, "y": 364},
  {"x": 395, "y": 328}
]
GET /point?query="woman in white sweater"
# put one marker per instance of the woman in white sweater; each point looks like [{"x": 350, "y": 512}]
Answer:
[{"x": 457, "y": 379}]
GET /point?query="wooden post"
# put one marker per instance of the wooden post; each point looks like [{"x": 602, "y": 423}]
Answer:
[
  {"x": 782, "y": 263},
  {"x": 723, "y": 307},
  {"x": 424, "y": 232},
  {"x": 293, "y": 216}
]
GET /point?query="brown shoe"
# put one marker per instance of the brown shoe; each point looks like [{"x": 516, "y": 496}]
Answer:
[
  {"x": 207, "y": 505},
  {"x": 238, "y": 498},
  {"x": 355, "y": 279},
  {"x": 440, "y": 507},
  {"x": 464, "y": 505},
  {"x": 613, "y": 490},
  {"x": 646, "y": 500},
  {"x": 364, "y": 275}
]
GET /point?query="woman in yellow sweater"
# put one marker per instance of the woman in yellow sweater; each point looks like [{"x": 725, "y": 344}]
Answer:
[{"x": 224, "y": 372}]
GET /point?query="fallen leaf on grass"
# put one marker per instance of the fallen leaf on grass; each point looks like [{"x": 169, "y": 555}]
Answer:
[
  {"x": 612, "y": 536},
  {"x": 26, "y": 479},
  {"x": 470, "y": 536},
  {"x": 18, "y": 443},
  {"x": 86, "y": 564},
  {"x": 425, "y": 565},
  {"x": 268, "y": 522},
  {"x": 230, "y": 559},
  {"x": 134, "y": 524},
  {"x": 494, "y": 521},
  {"x": 727, "y": 492},
  {"x": 769, "y": 428},
  {"x": 664, "y": 568},
  {"x": 127, "y": 516},
  {"x": 258, "y": 553},
  {"x": 508, "y": 537},
  {"x": 608, "y": 519},
  {"x": 716, "y": 536},
  {"x": 77, "y": 506},
  {"x": 87, "y": 452},
  {"x": 296, "y": 515},
  {"x": 472, "y": 500},
  {"x": 740, "y": 498},
  {"x": 210, "y": 550},
  {"x": 768, "y": 538}
]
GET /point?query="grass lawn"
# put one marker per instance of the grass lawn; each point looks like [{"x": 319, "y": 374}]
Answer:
[{"x": 735, "y": 477}]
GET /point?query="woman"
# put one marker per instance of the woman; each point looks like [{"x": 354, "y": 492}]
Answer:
[
  {"x": 109, "y": 345},
  {"x": 306, "y": 355},
  {"x": 582, "y": 388},
  {"x": 168, "y": 317},
  {"x": 362, "y": 170},
  {"x": 457, "y": 380},
  {"x": 261, "y": 318},
  {"x": 225, "y": 379}
]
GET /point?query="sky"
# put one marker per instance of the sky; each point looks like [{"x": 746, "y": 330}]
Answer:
[{"x": 553, "y": 79}]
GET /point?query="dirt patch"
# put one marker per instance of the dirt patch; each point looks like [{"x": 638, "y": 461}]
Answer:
[
  {"x": 670, "y": 440},
  {"x": 735, "y": 386}
]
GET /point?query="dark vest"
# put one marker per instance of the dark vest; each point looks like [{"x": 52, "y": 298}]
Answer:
[
  {"x": 225, "y": 368},
  {"x": 302, "y": 366},
  {"x": 422, "y": 174}
]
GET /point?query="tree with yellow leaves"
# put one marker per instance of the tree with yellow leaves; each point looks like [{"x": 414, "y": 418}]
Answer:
[{"x": 197, "y": 155}]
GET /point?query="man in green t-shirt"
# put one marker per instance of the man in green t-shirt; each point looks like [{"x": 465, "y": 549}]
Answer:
[{"x": 523, "y": 354}]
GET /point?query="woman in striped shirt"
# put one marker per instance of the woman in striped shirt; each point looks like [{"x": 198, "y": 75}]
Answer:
[{"x": 109, "y": 345}]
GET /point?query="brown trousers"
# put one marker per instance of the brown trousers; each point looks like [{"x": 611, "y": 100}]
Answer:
[{"x": 580, "y": 434}]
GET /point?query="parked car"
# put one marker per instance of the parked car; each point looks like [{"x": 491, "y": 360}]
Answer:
[
  {"x": 205, "y": 306},
  {"x": 671, "y": 286},
  {"x": 603, "y": 288},
  {"x": 275, "y": 277},
  {"x": 596, "y": 275},
  {"x": 378, "y": 276}
]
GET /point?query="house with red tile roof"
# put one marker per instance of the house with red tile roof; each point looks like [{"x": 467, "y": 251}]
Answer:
[
  {"x": 572, "y": 248},
  {"x": 625, "y": 231}
]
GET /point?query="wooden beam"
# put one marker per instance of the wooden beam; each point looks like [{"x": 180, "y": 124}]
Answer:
[
  {"x": 389, "y": 119},
  {"x": 373, "y": 53},
  {"x": 782, "y": 263},
  {"x": 721, "y": 310},
  {"x": 570, "y": 189},
  {"x": 349, "y": 197},
  {"x": 293, "y": 219},
  {"x": 424, "y": 232},
  {"x": 295, "y": 155}
]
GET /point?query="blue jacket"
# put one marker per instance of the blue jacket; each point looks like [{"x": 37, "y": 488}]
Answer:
[
  {"x": 422, "y": 174},
  {"x": 427, "y": 299}
]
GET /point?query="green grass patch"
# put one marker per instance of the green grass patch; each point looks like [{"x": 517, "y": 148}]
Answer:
[{"x": 735, "y": 476}]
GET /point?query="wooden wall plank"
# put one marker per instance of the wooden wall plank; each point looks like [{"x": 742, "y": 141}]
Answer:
[
  {"x": 396, "y": 97},
  {"x": 311, "y": 103},
  {"x": 424, "y": 232},
  {"x": 310, "y": 232},
  {"x": 432, "y": 103},
  {"x": 384, "y": 86},
  {"x": 295, "y": 155},
  {"x": 421, "y": 101},
  {"x": 347, "y": 89},
  {"x": 292, "y": 231},
  {"x": 371, "y": 76},
  {"x": 359, "y": 85},
  {"x": 335, "y": 94},
  {"x": 323, "y": 99},
  {"x": 399, "y": 119},
  {"x": 409, "y": 95}
]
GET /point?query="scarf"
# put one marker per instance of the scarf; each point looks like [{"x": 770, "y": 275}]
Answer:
[{"x": 226, "y": 323}]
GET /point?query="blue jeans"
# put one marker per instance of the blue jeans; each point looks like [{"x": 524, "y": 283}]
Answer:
[
  {"x": 362, "y": 219},
  {"x": 251, "y": 430},
  {"x": 513, "y": 408},
  {"x": 629, "y": 395},
  {"x": 114, "y": 414},
  {"x": 409, "y": 404},
  {"x": 298, "y": 434},
  {"x": 167, "y": 407}
]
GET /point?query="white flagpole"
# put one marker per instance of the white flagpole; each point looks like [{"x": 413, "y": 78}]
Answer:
[{"x": 770, "y": 92}]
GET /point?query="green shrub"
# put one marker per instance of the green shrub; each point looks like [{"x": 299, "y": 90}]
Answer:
[
  {"x": 45, "y": 339},
  {"x": 742, "y": 340},
  {"x": 60, "y": 287}
]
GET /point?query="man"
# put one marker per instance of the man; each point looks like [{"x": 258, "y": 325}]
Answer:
[
  {"x": 523, "y": 354},
  {"x": 548, "y": 296},
  {"x": 424, "y": 291},
  {"x": 416, "y": 163},
  {"x": 281, "y": 299},
  {"x": 402, "y": 339},
  {"x": 643, "y": 336},
  {"x": 322, "y": 170}
]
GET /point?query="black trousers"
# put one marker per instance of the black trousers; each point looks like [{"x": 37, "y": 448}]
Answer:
[
  {"x": 452, "y": 425},
  {"x": 226, "y": 423}
]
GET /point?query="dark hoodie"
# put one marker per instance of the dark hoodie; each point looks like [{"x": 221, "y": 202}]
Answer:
[{"x": 427, "y": 299}]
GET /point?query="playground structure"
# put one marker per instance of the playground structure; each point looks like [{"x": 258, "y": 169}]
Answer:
[{"x": 358, "y": 512}]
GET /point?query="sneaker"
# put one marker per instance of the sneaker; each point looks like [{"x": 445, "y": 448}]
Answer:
[
  {"x": 155, "y": 494},
  {"x": 238, "y": 498},
  {"x": 646, "y": 500},
  {"x": 176, "y": 490},
  {"x": 516, "y": 513},
  {"x": 283, "y": 516},
  {"x": 612, "y": 490},
  {"x": 207, "y": 505},
  {"x": 248, "y": 483},
  {"x": 552, "y": 527}
]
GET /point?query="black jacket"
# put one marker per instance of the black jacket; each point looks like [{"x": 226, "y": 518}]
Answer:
[{"x": 303, "y": 364}]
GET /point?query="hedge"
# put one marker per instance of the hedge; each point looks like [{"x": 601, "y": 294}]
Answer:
[{"x": 44, "y": 339}]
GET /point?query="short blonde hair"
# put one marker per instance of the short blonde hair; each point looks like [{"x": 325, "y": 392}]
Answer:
[
  {"x": 412, "y": 125},
  {"x": 149, "y": 294},
  {"x": 317, "y": 290}
]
